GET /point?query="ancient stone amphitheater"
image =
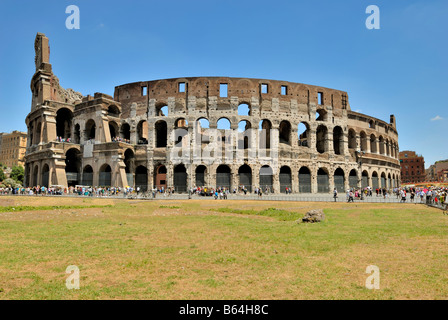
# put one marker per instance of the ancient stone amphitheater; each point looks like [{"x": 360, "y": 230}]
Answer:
[{"x": 205, "y": 131}]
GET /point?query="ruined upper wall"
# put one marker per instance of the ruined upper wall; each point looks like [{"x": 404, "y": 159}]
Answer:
[{"x": 243, "y": 88}]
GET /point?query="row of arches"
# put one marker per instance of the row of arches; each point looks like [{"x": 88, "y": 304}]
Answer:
[{"x": 372, "y": 143}]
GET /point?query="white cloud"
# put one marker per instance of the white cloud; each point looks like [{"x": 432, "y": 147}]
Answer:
[{"x": 437, "y": 118}]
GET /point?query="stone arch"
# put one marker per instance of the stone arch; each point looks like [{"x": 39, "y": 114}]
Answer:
[
  {"x": 142, "y": 132},
  {"x": 180, "y": 178},
  {"x": 285, "y": 132},
  {"x": 113, "y": 130},
  {"x": 160, "y": 177},
  {"x": 266, "y": 179},
  {"x": 45, "y": 182},
  {"x": 321, "y": 139},
  {"x": 73, "y": 162},
  {"x": 201, "y": 172},
  {"x": 323, "y": 181},
  {"x": 90, "y": 130},
  {"x": 285, "y": 178},
  {"x": 244, "y": 109},
  {"x": 223, "y": 177},
  {"x": 352, "y": 143},
  {"x": 87, "y": 176},
  {"x": 303, "y": 130},
  {"x": 339, "y": 180},
  {"x": 338, "y": 140},
  {"x": 265, "y": 127},
  {"x": 105, "y": 178},
  {"x": 141, "y": 178},
  {"x": 304, "y": 180},
  {"x": 353, "y": 179},
  {"x": 64, "y": 118},
  {"x": 161, "y": 131},
  {"x": 245, "y": 177}
]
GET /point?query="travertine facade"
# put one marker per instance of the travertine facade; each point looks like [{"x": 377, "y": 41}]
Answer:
[{"x": 155, "y": 134}]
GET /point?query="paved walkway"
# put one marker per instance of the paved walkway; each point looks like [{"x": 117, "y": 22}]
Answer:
[{"x": 265, "y": 197}]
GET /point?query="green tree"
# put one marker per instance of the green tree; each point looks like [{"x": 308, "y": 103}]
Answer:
[
  {"x": 2, "y": 174},
  {"x": 17, "y": 173}
]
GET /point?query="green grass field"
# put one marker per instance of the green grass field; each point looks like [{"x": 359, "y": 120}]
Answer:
[{"x": 213, "y": 249}]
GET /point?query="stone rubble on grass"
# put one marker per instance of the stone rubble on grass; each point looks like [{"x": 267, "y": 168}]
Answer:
[{"x": 315, "y": 215}]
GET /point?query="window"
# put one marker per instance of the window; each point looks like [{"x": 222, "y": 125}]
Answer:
[
  {"x": 223, "y": 90},
  {"x": 284, "y": 91},
  {"x": 320, "y": 98},
  {"x": 181, "y": 86},
  {"x": 264, "y": 88},
  {"x": 144, "y": 91},
  {"x": 344, "y": 101}
]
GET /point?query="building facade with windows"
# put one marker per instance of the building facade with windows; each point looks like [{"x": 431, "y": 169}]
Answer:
[
  {"x": 13, "y": 148},
  {"x": 412, "y": 167},
  {"x": 205, "y": 131}
]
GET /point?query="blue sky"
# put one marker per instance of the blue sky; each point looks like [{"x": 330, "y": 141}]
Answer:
[{"x": 400, "y": 69}]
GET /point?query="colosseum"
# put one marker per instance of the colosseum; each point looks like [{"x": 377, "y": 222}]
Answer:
[{"x": 205, "y": 131}]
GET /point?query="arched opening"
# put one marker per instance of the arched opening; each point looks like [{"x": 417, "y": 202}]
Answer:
[
  {"x": 339, "y": 180},
  {"x": 105, "y": 176},
  {"x": 338, "y": 140},
  {"x": 244, "y": 127},
  {"x": 77, "y": 138},
  {"x": 87, "y": 176},
  {"x": 35, "y": 175},
  {"x": 180, "y": 178},
  {"x": 323, "y": 182},
  {"x": 201, "y": 171},
  {"x": 45, "y": 175},
  {"x": 90, "y": 131},
  {"x": 394, "y": 182},
  {"x": 73, "y": 166},
  {"x": 64, "y": 119},
  {"x": 353, "y": 179},
  {"x": 363, "y": 137},
  {"x": 113, "y": 129},
  {"x": 375, "y": 181},
  {"x": 265, "y": 127},
  {"x": 285, "y": 132},
  {"x": 321, "y": 139},
  {"x": 321, "y": 115},
  {"x": 202, "y": 134},
  {"x": 383, "y": 180},
  {"x": 266, "y": 179},
  {"x": 389, "y": 181},
  {"x": 285, "y": 179},
  {"x": 162, "y": 110},
  {"x": 129, "y": 161},
  {"x": 180, "y": 131},
  {"x": 245, "y": 177},
  {"x": 161, "y": 134},
  {"x": 304, "y": 180},
  {"x": 113, "y": 111},
  {"x": 142, "y": 132},
  {"x": 141, "y": 178},
  {"x": 302, "y": 133},
  {"x": 38, "y": 133},
  {"x": 365, "y": 179},
  {"x": 223, "y": 177},
  {"x": 125, "y": 132},
  {"x": 352, "y": 144},
  {"x": 373, "y": 144},
  {"x": 223, "y": 126},
  {"x": 160, "y": 177},
  {"x": 244, "y": 109},
  {"x": 381, "y": 143}
]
